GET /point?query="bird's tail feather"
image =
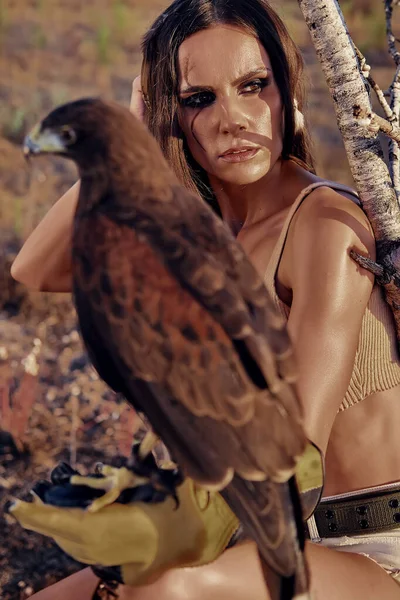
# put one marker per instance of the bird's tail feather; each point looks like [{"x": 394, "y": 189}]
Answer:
[{"x": 271, "y": 515}]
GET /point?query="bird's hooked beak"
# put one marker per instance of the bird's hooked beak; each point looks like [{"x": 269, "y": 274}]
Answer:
[{"x": 41, "y": 141}]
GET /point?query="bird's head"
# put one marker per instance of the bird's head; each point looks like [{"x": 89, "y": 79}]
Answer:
[
  {"x": 63, "y": 131},
  {"x": 83, "y": 131}
]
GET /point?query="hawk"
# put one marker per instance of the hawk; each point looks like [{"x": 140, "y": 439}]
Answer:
[{"x": 176, "y": 318}]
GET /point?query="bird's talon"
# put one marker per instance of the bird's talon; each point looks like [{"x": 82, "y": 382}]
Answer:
[{"x": 103, "y": 501}]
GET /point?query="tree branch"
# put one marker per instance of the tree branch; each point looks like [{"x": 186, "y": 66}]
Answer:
[
  {"x": 394, "y": 94},
  {"x": 366, "y": 72},
  {"x": 395, "y": 54},
  {"x": 380, "y": 124},
  {"x": 338, "y": 58}
]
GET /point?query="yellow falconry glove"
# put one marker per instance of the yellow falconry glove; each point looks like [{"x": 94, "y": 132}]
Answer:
[
  {"x": 139, "y": 539},
  {"x": 310, "y": 474},
  {"x": 100, "y": 520}
]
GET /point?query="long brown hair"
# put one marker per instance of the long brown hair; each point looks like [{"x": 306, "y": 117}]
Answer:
[{"x": 160, "y": 83}]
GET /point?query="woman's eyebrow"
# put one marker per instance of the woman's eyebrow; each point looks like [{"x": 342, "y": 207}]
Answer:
[
  {"x": 252, "y": 73},
  {"x": 192, "y": 89}
]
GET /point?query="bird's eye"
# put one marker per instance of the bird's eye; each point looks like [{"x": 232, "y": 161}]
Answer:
[{"x": 67, "y": 135}]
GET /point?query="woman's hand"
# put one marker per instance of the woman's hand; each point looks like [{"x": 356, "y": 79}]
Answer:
[
  {"x": 105, "y": 520},
  {"x": 137, "y": 105}
]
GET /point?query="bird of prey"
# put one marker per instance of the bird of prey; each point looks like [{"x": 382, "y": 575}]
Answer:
[{"x": 176, "y": 319}]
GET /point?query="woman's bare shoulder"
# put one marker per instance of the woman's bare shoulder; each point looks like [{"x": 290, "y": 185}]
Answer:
[
  {"x": 336, "y": 215},
  {"x": 326, "y": 226}
]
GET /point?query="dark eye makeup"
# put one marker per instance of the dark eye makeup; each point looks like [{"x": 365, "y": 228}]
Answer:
[
  {"x": 205, "y": 98},
  {"x": 198, "y": 100}
]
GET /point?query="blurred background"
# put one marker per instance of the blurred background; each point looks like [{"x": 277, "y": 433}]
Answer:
[{"x": 53, "y": 51}]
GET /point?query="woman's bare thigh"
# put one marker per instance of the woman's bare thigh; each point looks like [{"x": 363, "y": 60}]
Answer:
[
  {"x": 79, "y": 586},
  {"x": 237, "y": 574},
  {"x": 347, "y": 576},
  {"x": 334, "y": 576}
]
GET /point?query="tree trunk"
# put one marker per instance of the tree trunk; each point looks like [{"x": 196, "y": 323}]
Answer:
[{"x": 339, "y": 62}]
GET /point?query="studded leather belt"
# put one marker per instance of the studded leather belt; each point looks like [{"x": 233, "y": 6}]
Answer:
[{"x": 356, "y": 513}]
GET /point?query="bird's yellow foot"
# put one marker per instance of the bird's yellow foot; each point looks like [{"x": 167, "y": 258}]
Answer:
[{"x": 113, "y": 481}]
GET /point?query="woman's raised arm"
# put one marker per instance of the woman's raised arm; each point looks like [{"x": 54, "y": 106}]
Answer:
[{"x": 44, "y": 261}]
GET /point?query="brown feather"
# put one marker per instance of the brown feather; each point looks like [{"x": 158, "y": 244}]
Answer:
[{"x": 151, "y": 342}]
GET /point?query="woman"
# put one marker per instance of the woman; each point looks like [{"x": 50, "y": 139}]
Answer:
[{"x": 223, "y": 90}]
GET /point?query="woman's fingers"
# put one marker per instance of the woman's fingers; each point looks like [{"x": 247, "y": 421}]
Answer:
[
  {"x": 49, "y": 520},
  {"x": 137, "y": 105}
]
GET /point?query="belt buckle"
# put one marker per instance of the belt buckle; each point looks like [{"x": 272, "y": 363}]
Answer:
[{"x": 313, "y": 529}]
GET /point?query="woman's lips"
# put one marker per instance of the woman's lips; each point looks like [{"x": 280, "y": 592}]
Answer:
[{"x": 239, "y": 155}]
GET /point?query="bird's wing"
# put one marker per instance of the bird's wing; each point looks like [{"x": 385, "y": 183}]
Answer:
[
  {"x": 157, "y": 331},
  {"x": 198, "y": 248}
]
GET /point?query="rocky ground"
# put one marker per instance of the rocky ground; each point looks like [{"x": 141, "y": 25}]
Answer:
[{"x": 52, "y": 51}]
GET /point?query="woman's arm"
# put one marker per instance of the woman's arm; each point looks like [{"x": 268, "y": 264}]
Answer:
[
  {"x": 330, "y": 295},
  {"x": 80, "y": 585},
  {"x": 44, "y": 261},
  {"x": 235, "y": 575}
]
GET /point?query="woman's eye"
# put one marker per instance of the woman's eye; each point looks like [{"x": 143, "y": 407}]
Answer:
[
  {"x": 256, "y": 85},
  {"x": 199, "y": 100}
]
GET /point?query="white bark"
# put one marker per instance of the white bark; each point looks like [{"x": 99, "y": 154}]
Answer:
[
  {"x": 394, "y": 93},
  {"x": 394, "y": 150},
  {"x": 358, "y": 127}
]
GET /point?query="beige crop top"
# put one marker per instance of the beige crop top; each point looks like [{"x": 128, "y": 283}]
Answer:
[{"x": 377, "y": 363}]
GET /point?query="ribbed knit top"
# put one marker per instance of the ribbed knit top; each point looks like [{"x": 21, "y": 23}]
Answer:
[{"x": 377, "y": 362}]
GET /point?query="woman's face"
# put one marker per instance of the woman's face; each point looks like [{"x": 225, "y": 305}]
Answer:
[{"x": 230, "y": 106}]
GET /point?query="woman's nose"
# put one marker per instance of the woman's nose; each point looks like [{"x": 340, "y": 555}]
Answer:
[{"x": 231, "y": 118}]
